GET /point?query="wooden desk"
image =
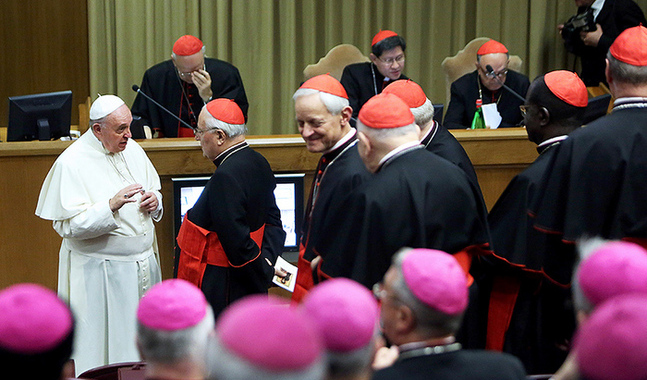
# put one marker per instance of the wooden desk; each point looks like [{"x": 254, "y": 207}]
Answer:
[{"x": 29, "y": 246}]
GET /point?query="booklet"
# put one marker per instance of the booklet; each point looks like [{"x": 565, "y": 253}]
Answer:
[{"x": 290, "y": 280}]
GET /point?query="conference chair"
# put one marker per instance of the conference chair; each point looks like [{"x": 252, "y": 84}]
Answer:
[
  {"x": 463, "y": 62},
  {"x": 334, "y": 61}
]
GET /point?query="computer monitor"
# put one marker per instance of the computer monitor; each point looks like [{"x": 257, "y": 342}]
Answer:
[
  {"x": 289, "y": 199},
  {"x": 39, "y": 116}
]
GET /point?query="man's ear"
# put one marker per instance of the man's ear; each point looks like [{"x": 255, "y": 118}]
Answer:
[
  {"x": 364, "y": 140},
  {"x": 96, "y": 128},
  {"x": 373, "y": 58},
  {"x": 222, "y": 136},
  {"x": 405, "y": 320},
  {"x": 544, "y": 116},
  {"x": 607, "y": 72},
  {"x": 346, "y": 113}
]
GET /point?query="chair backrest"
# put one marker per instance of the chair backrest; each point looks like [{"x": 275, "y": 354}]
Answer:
[
  {"x": 463, "y": 62},
  {"x": 115, "y": 371},
  {"x": 334, "y": 62}
]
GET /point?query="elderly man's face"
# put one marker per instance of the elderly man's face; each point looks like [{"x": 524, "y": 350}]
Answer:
[
  {"x": 209, "y": 138},
  {"x": 499, "y": 63},
  {"x": 319, "y": 128},
  {"x": 389, "y": 305},
  {"x": 188, "y": 64},
  {"x": 391, "y": 63},
  {"x": 115, "y": 132}
]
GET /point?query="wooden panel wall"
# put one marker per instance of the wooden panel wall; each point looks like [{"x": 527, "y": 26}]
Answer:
[
  {"x": 29, "y": 246},
  {"x": 44, "y": 49}
]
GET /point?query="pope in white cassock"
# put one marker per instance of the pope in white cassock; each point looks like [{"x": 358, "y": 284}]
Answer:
[{"x": 102, "y": 194}]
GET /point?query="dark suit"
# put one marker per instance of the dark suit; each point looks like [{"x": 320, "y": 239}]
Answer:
[
  {"x": 615, "y": 16},
  {"x": 456, "y": 365},
  {"x": 362, "y": 81},
  {"x": 465, "y": 91}
]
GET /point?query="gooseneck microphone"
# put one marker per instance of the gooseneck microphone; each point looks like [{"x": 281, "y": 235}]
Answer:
[
  {"x": 139, "y": 91},
  {"x": 490, "y": 71}
]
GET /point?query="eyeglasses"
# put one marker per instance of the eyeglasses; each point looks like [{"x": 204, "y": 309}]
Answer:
[
  {"x": 188, "y": 73},
  {"x": 389, "y": 61},
  {"x": 492, "y": 74},
  {"x": 200, "y": 132}
]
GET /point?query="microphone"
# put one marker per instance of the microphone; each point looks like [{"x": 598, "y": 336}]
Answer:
[
  {"x": 139, "y": 91},
  {"x": 490, "y": 71}
]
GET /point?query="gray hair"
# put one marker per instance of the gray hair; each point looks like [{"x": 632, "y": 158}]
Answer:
[
  {"x": 585, "y": 247},
  {"x": 387, "y": 133},
  {"x": 231, "y": 130},
  {"x": 626, "y": 73},
  {"x": 431, "y": 322},
  {"x": 167, "y": 347},
  {"x": 424, "y": 113},
  {"x": 174, "y": 56},
  {"x": 334, "y": 104},
  {"x": 352, "y": 362},
  {"x": 224, "y": 365}
]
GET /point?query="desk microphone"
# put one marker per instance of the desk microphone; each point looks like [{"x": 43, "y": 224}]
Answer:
[
  {"x": 490, "y": 71},
  {"x": 139, "y": 91}
]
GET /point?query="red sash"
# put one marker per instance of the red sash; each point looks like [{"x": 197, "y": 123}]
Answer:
[
  {"x": 199, "y": 247},
  {"x": 305, "y": 281}
]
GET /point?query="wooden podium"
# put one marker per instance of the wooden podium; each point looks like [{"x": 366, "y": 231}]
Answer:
[{"x": 29, "y": 245}]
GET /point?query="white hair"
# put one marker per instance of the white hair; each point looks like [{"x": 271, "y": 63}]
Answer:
[
  {"x": 351, "y": 362},
  {"x": 158, "y": 346},
  {"x": 334, "y": 104},
  {"x": 424, "y": 113},
  {"x": 224, "y": 365}
]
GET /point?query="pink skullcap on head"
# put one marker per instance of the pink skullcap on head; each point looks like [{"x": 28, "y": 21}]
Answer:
[
  {"x": 385, "y": 111},
  {"x": 436, "y": 279},
  {"x": 269, "y": 335},
  {"x": 407, "y": 90},
  {"x": 226, "y": 110},
  {"x": 631, "y": 46},
  {"x": 613, "y": 269},
  {"x": 187, "y": 45},
  {"x": 326, "y": 83},
  {"x": 492, "y": 47},
  {"x": 612, "y": 343},
  {"x": 567, "y": 86},
  {"x": 381, "y": 35},
  {"x": 345, "y": 313},
  {"x": 172, "y": 305},
  {"x": 32, "y": 319}
]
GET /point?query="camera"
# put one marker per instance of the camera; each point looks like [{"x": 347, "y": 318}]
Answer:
[{"x": 582, "y": 22}]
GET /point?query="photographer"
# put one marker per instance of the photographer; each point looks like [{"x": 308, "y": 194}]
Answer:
[{"x": 591, "y": 32}]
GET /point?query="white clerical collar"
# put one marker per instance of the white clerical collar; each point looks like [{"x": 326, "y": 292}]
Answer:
[
  {"x": 343, "y": 140},
  {"x": 596, "y": 7},
  {"x": 397, "y": 150},
  {"x": 551, "y": 141}
]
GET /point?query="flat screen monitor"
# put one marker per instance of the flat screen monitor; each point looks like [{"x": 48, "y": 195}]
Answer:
[
  {"x": 289, "y": 199},
  {"x": 39, "y": 116}
]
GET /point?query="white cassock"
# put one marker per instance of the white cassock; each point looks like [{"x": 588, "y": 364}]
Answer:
[{"x": 107, "y": 260}]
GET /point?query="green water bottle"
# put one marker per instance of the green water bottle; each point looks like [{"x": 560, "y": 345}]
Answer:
[{"x": 478, "y": 122}]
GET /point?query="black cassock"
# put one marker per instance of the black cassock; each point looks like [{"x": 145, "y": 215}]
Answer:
[
  {"x": 465, "y": 91},
  {"x": 542, "y": 321},
  {"x": 441, "y": 142},
  {"x": 456, "y": 365},
  {"x": 362, "y": 81},
  {"x": 597, "y": 184},
  {"x": 239, "y": 199},
  {"x": 417, "y": 200},
  {"x": 162, "y": 83}
]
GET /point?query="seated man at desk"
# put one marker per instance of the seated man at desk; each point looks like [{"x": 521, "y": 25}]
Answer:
[
  {"x": 484, "y": 86},
  {"x": 366, "y": 79},
  {"x": 183, "y": 85}
]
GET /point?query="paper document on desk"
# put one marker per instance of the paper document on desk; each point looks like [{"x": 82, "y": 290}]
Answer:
[
  {"x": 290, "y": 280},
  {"x": 491, "y": 116}
]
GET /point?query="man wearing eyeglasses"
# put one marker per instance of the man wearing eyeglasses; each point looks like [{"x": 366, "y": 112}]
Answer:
[
  {"x": 230, "y": 240},
  {"x": 485, "y": 86},
  {"x": 367, "y": 79},
  {"x": 183, "y": 85}
]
